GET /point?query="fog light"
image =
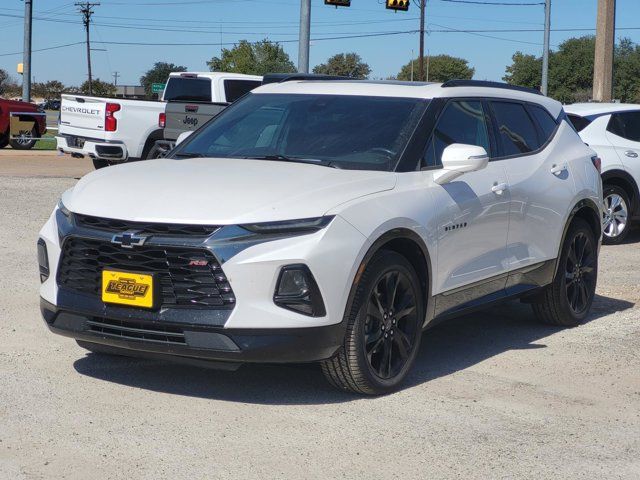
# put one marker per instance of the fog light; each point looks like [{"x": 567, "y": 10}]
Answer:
[
  {"x": 43, "y": 260},
  {"x": 297, "y": 290}
]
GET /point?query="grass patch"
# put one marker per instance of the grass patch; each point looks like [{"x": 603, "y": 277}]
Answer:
[{"x": 46, "y": 144}]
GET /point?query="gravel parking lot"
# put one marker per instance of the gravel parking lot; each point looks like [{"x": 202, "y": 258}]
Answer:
[{"x": 493, "y": 395}]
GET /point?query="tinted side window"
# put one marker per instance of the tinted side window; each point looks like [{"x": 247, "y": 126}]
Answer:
[
  {"x": 460, "y": 122},
  {"x": 578, "y": 122},
  {"x": 625, "y": 125},
  {"x": 234, "y": 89},
  {"x": 515, "y": 128},
  {"x": 544, "y": 120}
]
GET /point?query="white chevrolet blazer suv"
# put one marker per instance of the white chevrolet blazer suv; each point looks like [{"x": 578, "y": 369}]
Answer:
[
  {"x": 613, "y": 131},
  {"x": 332, "y": 222}
]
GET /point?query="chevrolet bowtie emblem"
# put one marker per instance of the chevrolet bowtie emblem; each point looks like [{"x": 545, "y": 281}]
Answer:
[{"x": 129, "y": 239}]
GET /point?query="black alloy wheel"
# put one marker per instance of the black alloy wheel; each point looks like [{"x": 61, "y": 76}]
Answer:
[
  {"x": 580, "y": 275},
  {"x": 391, "y": 324}
]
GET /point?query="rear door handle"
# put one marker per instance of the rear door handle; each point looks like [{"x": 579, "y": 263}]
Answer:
[
  {"x": 499, "y": 188},
  {"x": 631, "y": 154},
  {"x": 558, "y": 169}
]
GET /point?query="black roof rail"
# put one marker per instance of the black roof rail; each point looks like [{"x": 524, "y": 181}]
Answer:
[
  {"x": 486, "y": 83},
  {"x": 291, "y": 77}
]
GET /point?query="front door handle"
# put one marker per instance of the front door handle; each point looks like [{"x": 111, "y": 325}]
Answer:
[
  {"x": 558, "y": 169},
  {"x": 499, "y": 188},
  {"x": 631, "y": 154}
]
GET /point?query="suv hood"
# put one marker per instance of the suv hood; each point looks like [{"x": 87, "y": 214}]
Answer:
[{"x": 219, "y": 191}]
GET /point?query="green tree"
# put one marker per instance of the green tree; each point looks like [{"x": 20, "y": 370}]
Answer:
[
  {"x": 253, "y": 58},
  {"x": 8, "y": 85},
  {"x": 627, "y": 71},
  {"x": 344, "y": 65},
  {"x": 159, "y": 73},
  {"x": 525, "y": 70},
  {"x": 100, "y": 88},
  {"x": 571, "y": 70},
  {"x": 441, "y": 68}
]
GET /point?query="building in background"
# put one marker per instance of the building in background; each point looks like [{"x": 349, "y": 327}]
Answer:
[{"x": 130, "y": 91}]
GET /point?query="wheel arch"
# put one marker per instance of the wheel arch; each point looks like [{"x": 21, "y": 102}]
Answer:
[
  {"x": 410, "y": 245},
  {"x": 587, "y": 210},
  {"x": 625, "y": 181},
  {"x": 153, "y": 137}
]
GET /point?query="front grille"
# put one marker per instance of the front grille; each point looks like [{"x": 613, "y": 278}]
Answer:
[
  {"x": 119, "y": 226},
  {"x": 137, "y": 331},
  {"x": 185, "y": 277}
]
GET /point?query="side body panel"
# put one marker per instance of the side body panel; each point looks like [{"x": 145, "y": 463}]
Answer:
[{"x": 541, "y": 199}]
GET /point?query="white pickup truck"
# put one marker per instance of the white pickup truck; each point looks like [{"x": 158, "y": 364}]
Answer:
[{"x": 116, "y": 130}]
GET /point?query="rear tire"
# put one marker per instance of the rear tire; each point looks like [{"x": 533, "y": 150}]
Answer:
[
  {"x": 98, "y": 163},
  {"x": 157, "y": 151},
  {"x": 567, "y": 301},
  {"x": 4, "y": 140},
  {"x": 616, "y": 215},
  {"x": 26, "y": 140},
  {"x": 384, "y": 328}
]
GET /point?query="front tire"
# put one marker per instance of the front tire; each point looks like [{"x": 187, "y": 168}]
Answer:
[
  {"x": 616, "y": 215},
  {"x": 567, "y": 301},
  {"x": 384, "y": 328}
]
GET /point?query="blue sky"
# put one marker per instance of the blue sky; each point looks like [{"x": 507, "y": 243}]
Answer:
[{"x": 228, "y": 21}]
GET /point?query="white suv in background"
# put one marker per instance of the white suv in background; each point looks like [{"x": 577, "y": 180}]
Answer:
[
  {"x": 613, "y": 131},
  {"x": 332, "y": 222}
]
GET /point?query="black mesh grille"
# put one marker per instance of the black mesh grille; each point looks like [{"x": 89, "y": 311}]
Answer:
[
  {"x": 137, "y": 331},
  {"x": 186, "y": 277},
  {"x": 119, "y": 226}
]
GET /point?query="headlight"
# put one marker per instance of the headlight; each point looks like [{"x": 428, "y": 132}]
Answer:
[
  {"x": 63, "y": 209},
  {"x": 305, "y": 225}
]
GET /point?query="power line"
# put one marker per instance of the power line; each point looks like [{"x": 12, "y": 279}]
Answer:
[
  {"x": 86, "y": 9},
  {"x": 504, "y": 4}
]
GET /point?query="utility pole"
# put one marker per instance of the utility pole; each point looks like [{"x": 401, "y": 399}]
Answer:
[
  {"x": 423, "y": 4},
  {"x": 305, "y": 36},
  {"x": 545, "y": 53},
  {"x": 86, "y": 10},
  {"x": 26, "y": 60},
  {"x": 605, "y": 40},
  {"x": 115, "y": 78}
]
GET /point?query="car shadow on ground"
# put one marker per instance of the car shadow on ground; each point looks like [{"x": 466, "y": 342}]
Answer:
[{"x": 447, "y": 348}]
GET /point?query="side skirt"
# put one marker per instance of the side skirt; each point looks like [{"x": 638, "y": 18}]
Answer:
[{"x": 523, "y": 282}]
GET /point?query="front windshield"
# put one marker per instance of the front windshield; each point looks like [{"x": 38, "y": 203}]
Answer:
[{"x": 342, "y": 131}]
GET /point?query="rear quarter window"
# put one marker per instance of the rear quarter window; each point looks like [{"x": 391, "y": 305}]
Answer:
[
  {"x": 544, "y": 120},
  {"x": 578, "y": 122}
]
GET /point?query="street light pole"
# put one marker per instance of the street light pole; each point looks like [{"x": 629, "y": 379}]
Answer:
[
  {"x": 545, "y": 54},
  {"x": 305, "y": 36},
  {"x": 26, "y": 60}
]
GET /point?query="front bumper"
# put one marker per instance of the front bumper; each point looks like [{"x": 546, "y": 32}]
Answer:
[
  {"x": 111, "y": 151},
  {"x": 181, "y": 339}
]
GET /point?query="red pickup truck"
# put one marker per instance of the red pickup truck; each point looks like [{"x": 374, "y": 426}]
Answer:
[{"x": 25, "y": 125}]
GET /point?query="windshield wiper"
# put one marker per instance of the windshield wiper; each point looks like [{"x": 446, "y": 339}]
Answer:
[
  {"x": 190, "y": 155},
  {"x": 284, "y": 158}
]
